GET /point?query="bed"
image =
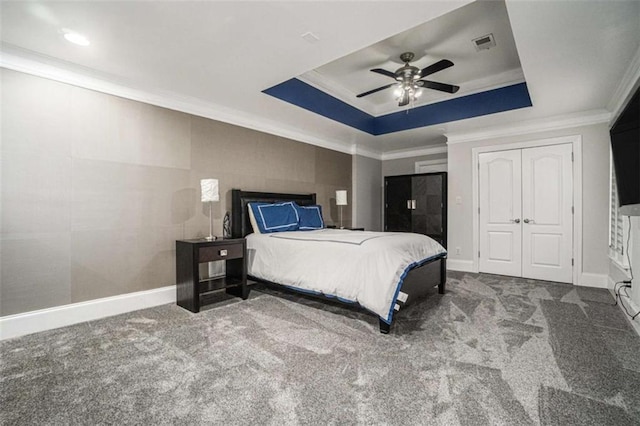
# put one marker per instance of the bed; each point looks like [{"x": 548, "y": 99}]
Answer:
[{"x": 380, "y": 271}]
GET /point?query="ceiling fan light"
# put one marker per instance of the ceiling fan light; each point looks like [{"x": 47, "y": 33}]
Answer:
[{"x": 408, "y": 80}]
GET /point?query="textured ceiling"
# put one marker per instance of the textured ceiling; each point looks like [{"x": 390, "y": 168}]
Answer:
[{"x": 446, "y": 37}]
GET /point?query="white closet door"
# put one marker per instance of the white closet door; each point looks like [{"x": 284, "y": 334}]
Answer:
[
  {"x": 500, "y": 207},
  {"x": 547, "y": 219}
]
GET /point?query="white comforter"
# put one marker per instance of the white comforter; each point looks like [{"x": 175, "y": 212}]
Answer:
[{"x": 363, "y": 267}]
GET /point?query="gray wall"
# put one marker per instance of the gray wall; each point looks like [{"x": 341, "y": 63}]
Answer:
[
  {"x": 407, "y": 166},
  {"x": 595, "y": 193},
  {"x": 95, "y": 189},
  {"x": 367, "y": 189}
]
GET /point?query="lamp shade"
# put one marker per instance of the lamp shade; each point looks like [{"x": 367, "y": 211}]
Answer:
[
  {"x": 341, "y": 197},
  {"x": 209, "y": 190}
]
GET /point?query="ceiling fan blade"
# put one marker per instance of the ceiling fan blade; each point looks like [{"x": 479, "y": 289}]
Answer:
[
  {"x": 405, "y": 99},
  {"x": 375, "y": 90},
  {"x": 443, "y": 87},
  {"x": 384, "y": 72},
  {"x": 438, "y": 66}
]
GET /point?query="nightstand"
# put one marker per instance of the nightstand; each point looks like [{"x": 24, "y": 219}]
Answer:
[
  {"x": 347, "y": 228},
  {"x": 190, "y": 289}
]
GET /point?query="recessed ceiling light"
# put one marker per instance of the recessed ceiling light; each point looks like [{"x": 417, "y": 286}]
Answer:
[
  {"x": 75, "y": 38},
  {"x": 310, "y": 37}
]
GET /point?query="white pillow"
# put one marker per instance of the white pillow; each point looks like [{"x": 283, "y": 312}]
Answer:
[{"x": 252, "y": 219}]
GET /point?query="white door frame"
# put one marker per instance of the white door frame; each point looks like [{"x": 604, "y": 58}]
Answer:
[{"x": 576, "y": 141}]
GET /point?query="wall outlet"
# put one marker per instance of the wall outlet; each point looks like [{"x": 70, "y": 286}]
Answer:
[{"x": 458, "y": 250}]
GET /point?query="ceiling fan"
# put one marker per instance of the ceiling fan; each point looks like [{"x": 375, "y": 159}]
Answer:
[{"x": 409, "y": 80}]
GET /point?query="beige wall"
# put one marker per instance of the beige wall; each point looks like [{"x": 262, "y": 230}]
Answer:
[
  {"x": 367, "y": 193},
  {"x": 595, "y": 194},
  {"x": 95, "y": 189}
]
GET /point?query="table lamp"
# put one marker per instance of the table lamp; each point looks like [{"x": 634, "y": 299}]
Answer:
[
  {"x": 341, "y": 200},
  {"x": 209, "y": 188}
]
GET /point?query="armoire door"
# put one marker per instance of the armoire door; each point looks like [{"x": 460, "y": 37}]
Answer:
[
  {"x": 417, "y": 203},
  {"x": 526, "y": 214},
  {"x": 397, "y": 212},
  {"x": 428, "y": 215}
]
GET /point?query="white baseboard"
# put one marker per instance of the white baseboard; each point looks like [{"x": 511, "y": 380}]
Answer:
[
  {"x": 61, "y": 316},
  {"x": 594, "y": 280},
  {"x": 586, "y": 279},
  {"x": 460, "y": 265}
]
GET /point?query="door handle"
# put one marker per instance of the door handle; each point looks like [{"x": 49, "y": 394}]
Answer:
[
  {"x": 529, "y": 220},
  {"x": 515, "y": 220},
  {"x": 413, "y": 204},
  {"x": 408, "y": 204}
]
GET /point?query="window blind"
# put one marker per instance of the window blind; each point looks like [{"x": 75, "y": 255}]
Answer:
[{"x": 617, "y": 224}]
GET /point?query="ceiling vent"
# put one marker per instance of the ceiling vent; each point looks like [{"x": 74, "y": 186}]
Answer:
[{"x": 484, "y": 42}]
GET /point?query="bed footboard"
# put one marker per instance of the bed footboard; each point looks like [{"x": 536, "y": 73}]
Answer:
[{"x": 419, "y": 282}]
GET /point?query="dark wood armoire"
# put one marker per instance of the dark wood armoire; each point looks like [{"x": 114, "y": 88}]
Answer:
[{"x": 417, "y": 203}]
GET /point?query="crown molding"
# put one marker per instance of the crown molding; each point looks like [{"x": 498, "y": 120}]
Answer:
[
  {"x": 366, "y": 152},
  {"x": 533, "y": 126},
  {"x": 49, "y": 68},
  {"x": 471, "y": 87},
  {"x": 408, "y": 153},
  {"x": 315, "y": 79},
  {"x": 630, "y": 81},
  {"x": 325, "y": 84}
]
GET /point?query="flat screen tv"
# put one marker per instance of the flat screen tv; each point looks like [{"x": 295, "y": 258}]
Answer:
[{"x": 625, "y": 147}]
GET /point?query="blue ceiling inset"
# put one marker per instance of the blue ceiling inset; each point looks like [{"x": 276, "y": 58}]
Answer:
[
  {"x": 308, "y": 97},
  {"x": 299, "y": 93}
]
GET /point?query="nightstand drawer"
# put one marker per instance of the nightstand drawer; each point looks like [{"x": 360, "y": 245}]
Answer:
[
  {"x": 192, "y": 291},
  {"x": 220, "y": 252}
]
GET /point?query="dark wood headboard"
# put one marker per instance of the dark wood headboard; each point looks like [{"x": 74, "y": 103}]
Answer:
[{"x": 240, "y": 223}]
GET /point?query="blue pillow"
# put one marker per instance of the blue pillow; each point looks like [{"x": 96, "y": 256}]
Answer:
[
  {"x": 310, "y": 217},
  {"x": 276, "y": 217}
]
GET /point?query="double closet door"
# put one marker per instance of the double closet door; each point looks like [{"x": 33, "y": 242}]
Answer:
[
  {"x": 417, "y": 203},
  {"x": 526, "y": 213}
]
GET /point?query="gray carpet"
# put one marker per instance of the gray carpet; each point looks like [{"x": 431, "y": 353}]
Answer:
[{"x": 492, "y": 350}]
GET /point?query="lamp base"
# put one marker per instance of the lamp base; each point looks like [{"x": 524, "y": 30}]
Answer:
[{"x": 211, "y": 237}]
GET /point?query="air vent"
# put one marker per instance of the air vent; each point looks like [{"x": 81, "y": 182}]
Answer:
[{"x": 484, "y": 42}]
